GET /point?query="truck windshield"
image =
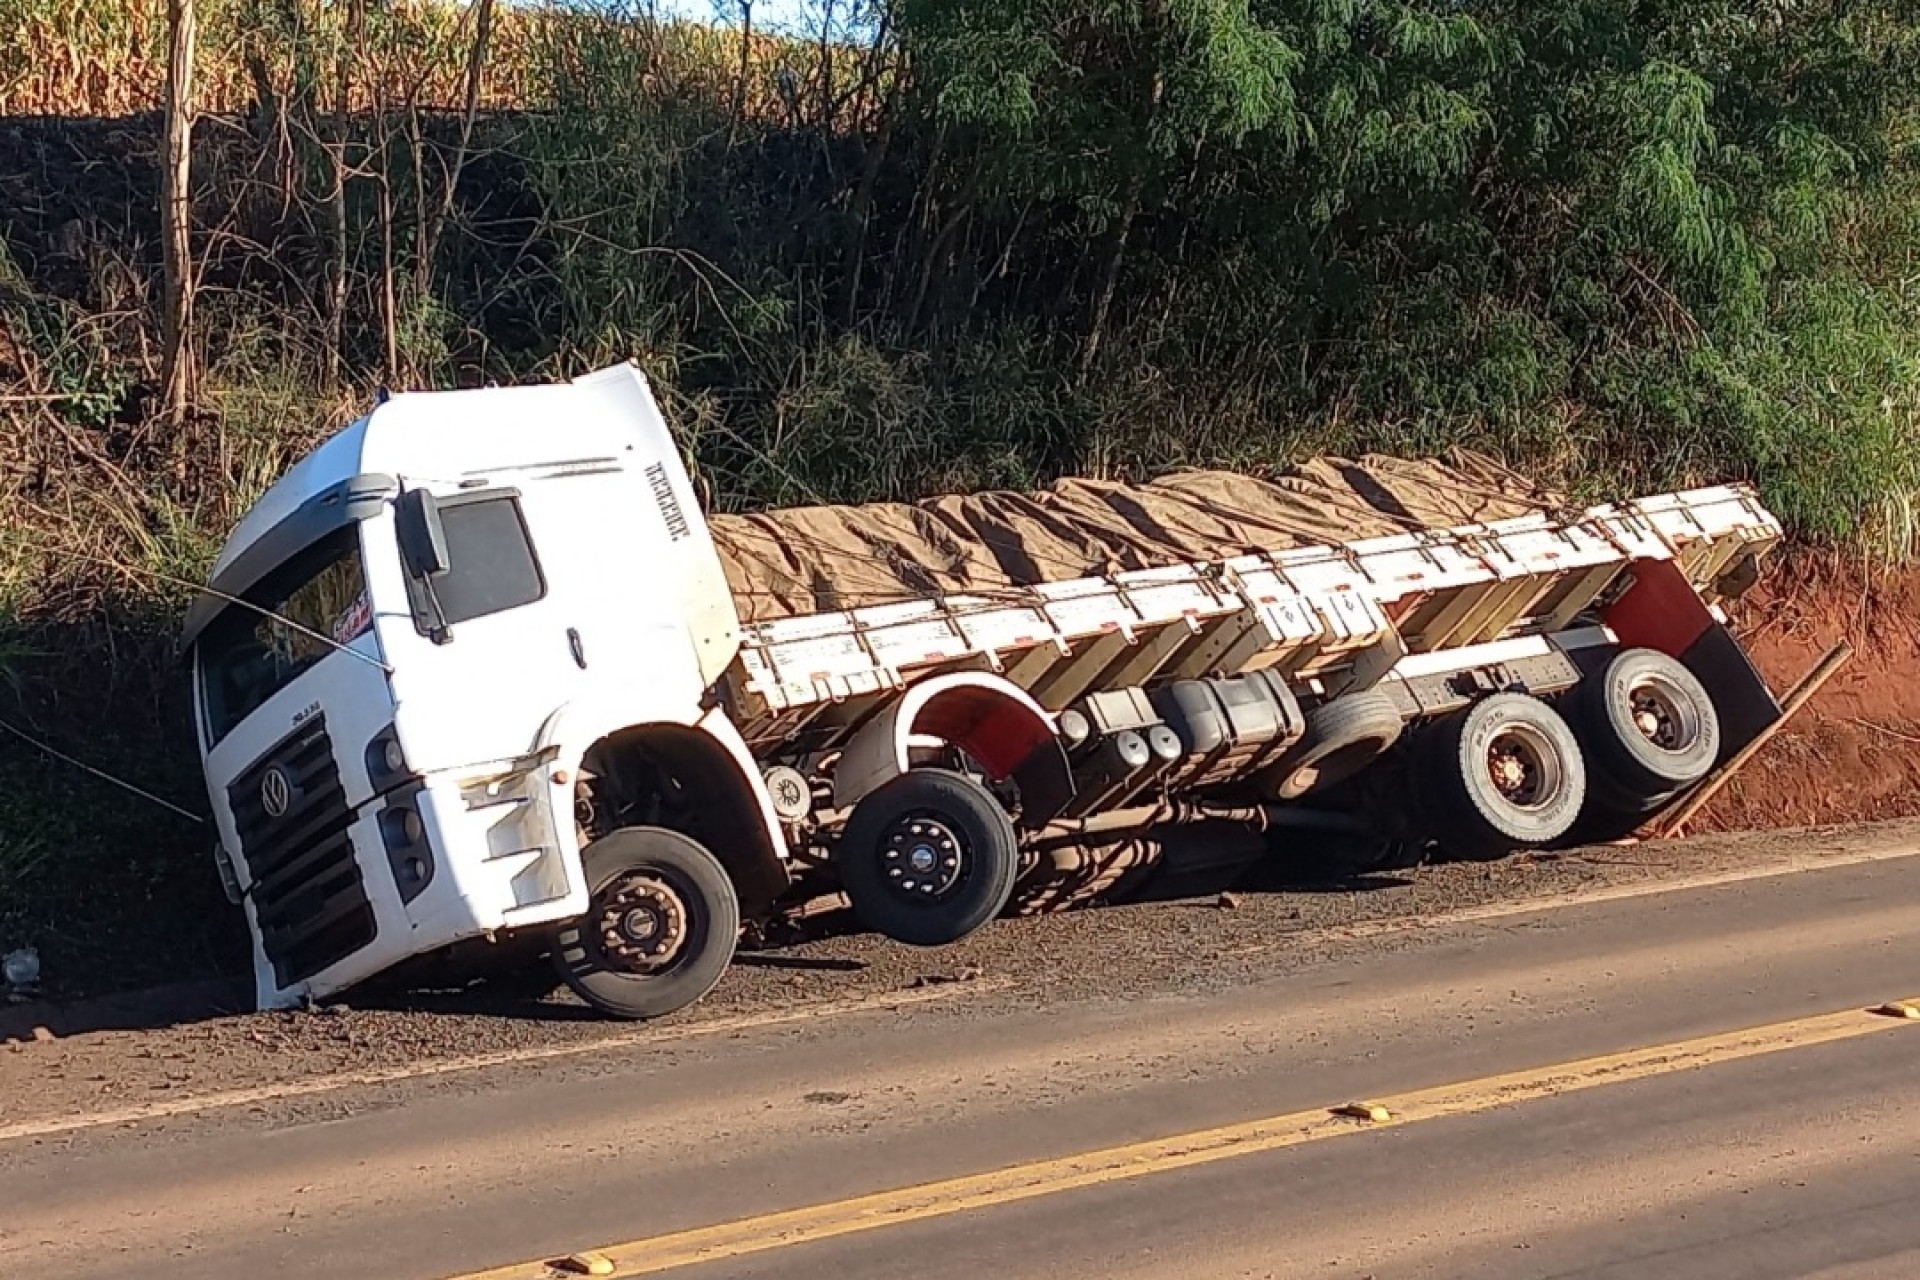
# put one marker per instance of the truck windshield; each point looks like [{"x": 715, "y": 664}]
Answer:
[{"x": 247, "y": 657}]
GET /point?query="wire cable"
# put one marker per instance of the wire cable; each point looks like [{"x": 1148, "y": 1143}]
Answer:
[{"x": 102, "y": 774}]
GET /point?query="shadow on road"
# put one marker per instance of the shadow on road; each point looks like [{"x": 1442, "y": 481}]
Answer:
[
  {"x": 818, "y": 964},
  {"x": 128, "y": 1011}
]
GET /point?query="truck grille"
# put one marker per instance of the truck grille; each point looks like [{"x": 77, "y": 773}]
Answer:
[{"x": 308, "y": 896}]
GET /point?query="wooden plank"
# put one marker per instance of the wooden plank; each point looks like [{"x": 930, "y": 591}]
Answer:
[
  {"x": 1217, "y": 639},
  {"x": 1030, "y": 667},
  {"x": 1073, "y": 677},
  {"x": 1798, "y": 697},
  {"x": 1437, "y": 628},
  {"x": 1144, "y": 660},
  {"x": 1579, "y": 594}
]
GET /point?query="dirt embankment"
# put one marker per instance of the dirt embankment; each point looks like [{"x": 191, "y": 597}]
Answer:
[{"x": 1853, "y": 754}]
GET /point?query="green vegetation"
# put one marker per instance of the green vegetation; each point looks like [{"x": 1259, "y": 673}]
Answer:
[{"x": 940, "y": 244}]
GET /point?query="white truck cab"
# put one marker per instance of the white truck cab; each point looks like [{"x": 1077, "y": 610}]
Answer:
[{"x": 463, "y": 592}]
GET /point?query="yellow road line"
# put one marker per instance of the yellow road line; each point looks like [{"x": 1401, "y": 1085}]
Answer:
[{"x": 650, "y": 1256}]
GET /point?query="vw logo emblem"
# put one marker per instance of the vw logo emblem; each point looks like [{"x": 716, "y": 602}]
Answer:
[{"x": 276, "y": 793}]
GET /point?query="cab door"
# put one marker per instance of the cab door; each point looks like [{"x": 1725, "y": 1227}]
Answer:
[{"x": 547, "y": 597}]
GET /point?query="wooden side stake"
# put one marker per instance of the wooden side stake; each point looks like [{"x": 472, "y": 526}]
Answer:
[{"x": 1797, "y": 697}]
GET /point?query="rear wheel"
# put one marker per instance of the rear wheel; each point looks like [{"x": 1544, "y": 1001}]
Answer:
[
  {"x": 1648, "y": 725},
  {"x": 660, "y": 927},
  {"x": 1650, "y": 731},
  {"x": 928, "y": 858},
  {"x": 1504, "y": 774}
]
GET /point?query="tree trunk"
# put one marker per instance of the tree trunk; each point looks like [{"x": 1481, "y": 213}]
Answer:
[
  {"x": 337, "y": 247},
  {"x": 1117, "y": 248},
  {"x": 939, "y": 254},
  {"x": 854, "y": 249},
  {"x": 389, "y": 297},
  {"x": 476, "y": 76},
  {"x": 337, "y": 207},
  {"x": 1110, "y": 276},
  {"x": 827, "y": 111},
  {"x": 1004, "y": 262},
  {"x": 740, "y": 78},
  {"x": 178, "y": 375},
  {"x": 383, "y": 134},
  {"x": 418, "y": 145}
]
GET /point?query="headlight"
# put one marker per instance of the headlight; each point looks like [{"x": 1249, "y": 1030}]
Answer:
[
  {"x": 386, "y": 762},
  {"x": 409, "y": 855}
]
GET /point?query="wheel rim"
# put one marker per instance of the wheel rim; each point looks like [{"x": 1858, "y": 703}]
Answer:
[
  {"x": 1524, "y": 766},
  {"x": 644, "y": 923},
  {"x": 923, "y": 859},
  {"x": 1663, "y": 714}
]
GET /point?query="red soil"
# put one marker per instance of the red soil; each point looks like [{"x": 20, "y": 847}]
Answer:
[{"x": 1853, "y": 753}]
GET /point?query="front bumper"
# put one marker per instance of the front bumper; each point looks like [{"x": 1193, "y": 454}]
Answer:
[{"x": 458, "y": 855}]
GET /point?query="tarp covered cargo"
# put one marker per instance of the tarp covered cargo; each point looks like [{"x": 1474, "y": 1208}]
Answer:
[{"x": 802, "y": 560}]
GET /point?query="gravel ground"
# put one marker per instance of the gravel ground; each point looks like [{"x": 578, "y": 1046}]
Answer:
[{"x": 132, "y": 1053}]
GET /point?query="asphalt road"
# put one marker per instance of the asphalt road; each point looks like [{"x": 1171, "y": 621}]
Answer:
[{"x": 1681, "y": 1083}]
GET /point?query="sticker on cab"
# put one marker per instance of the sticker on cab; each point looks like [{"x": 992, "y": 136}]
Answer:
[{"x": 357, "y": 617}]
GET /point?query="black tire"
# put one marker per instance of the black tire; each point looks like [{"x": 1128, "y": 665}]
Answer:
[
  {"x": 1342, "y": 737},
  {"x": 1504, "y": 774},
  {"x": 643, "y": 881},
  {"x": 928, "y": 858},
  {"x": 1330, "y": 858},
  {"x": 1648, "y": 726},
  {"x": 1612, "y": 812},
  {"x": 1604, "y": 823}
]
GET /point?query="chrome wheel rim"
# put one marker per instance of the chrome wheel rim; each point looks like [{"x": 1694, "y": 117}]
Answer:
[
  {"x": 1662, "y": 714},
  {"x": 1524, "y": 766},
  {"x": 924, "y": 860}
]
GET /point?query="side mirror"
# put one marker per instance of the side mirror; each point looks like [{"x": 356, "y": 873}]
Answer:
[{"x": 422, "y": 537}]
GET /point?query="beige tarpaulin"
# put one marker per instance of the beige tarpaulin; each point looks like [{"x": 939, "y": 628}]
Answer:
[{"x": 802, "y": 560}]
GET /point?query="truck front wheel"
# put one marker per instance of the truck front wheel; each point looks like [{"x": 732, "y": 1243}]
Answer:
[
  {"x": 1504, "y": 774},
  {"x": 659, "y": 930},
  {"x": 928, "y": 858}
]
